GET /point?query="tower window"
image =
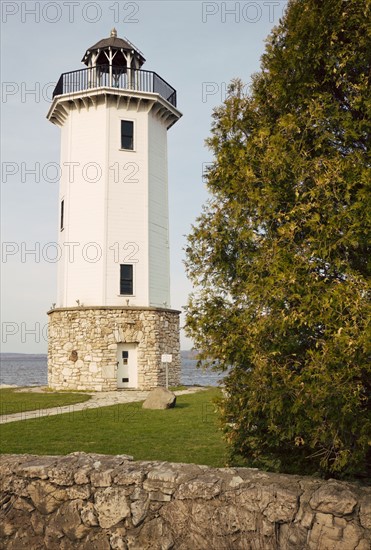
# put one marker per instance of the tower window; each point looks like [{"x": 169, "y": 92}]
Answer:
[
  {"x": 62, "y": 215},
  {"x": 127, "y": 134},
  {"x": 126, "y": 279}
]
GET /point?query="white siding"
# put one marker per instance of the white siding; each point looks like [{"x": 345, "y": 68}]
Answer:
[
  {"x": 124, "y": 213},
  {"x": 127, "y": 219},
  {"x": 159, "y": 269},
  {"x": 84, "y": 143}
]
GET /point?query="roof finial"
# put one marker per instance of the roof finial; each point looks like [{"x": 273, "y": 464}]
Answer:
[{"x": 114, "y": 33}]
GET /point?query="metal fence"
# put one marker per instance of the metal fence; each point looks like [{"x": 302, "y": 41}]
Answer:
[{"x": 115, "y": 77}]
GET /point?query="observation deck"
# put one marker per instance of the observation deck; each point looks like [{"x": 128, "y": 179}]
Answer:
[{"x": 119, "y": 78}]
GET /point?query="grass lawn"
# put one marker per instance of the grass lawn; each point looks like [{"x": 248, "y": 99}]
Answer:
[
  {"x": 187, "y": 433},
  {"x": 15, "y": 402}
]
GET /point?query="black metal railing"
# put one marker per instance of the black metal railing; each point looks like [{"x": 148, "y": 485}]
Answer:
[{"x": 124, "y": 79}]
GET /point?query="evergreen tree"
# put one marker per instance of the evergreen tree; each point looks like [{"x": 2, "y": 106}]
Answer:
[{"x": 280, "y": 256}]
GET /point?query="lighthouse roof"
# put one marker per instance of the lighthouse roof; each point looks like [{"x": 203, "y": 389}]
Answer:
[{"x": 115, "y": 43}]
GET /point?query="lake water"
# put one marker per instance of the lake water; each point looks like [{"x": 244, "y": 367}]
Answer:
[{"x": 31, "y": 370}]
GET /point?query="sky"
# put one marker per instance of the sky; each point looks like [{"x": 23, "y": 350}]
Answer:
[{"x": 198, "y": 47}]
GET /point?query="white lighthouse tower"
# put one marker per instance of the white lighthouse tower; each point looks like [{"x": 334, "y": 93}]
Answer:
[{"x": 113, "y": 319}]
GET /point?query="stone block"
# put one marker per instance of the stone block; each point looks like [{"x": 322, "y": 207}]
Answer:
[
  {"x": 23, "y": 504},
  {"x": 37, "y": 523},
  {"x": 101, "y": 479},
  {"x": 68, "y": 520},
  {"x": 159, "y": 496},
  {"x": 333, "y": 498},
  {"x": 153, "y": 536},
  {"x": 323, "y": 535},
  {"x": 82, "y": 492},
  {"x": 292, "y": 536},
  {"x": 88, "y": 515},
  {"x": 199, "y": 489},
  {"x": 36, "y": 468},
  {"x": 283, "y": 503},
  {"x": 45, "y": 497},
  {"x": 117, "y": 539},
  {"x": 139, "y": 509},
  {"x": 111, "y": 506},
  {"x": 163, "y": 473},
  {"x": 93, "y": 367},
  {"x": 62, "y": 475},
  {"x": 365, "y": 510},
  {"x": 352, "y": 534}
]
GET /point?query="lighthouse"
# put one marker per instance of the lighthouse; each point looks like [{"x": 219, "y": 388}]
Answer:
[{"x": 112, "y": 324}]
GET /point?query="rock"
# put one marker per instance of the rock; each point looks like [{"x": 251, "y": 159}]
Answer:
[
  {"x": 88, "y": 515},
  {"x": 365, "y": 512},
  {"x": 230, "y": 519},
  {"x": 177, "y": 513},
  {"x": 45, "y": 497},
  {"x": 111, "y": 506},
  {"x": 117, "y": 539},
  {"x": 333, "y": 498},
  {"x": 69, "y": 522},
  {"x": 292, "y": 536},
  {"x": 25, "y": 541},
  {"x": 206, "y": 488},
  {"x": 101, "y": 479},
  {"x": 81, "y": 476},
  {"x": 283, "y": 504},
  {"x": 78, "y": 491},
  {"x": 323, "y": 536},
  {"x": 22, "y": 504},
  {"x": 129, "y": 477},
  {"x": 139, "y": 510},
  {"x": 96, "y": 540},
  {"x": 163, "y": 473},
  {"x": 160, "y": 398},
  {"x": 154, "y": 535},
  {"x": 307, "y": 520},
  {"x": 52, "y": 536},
  {"x": 7, "y": 528},
  {"x": 62, "y": 476},
  {"x": 159, "y": 496},
  {"x": 352, "y": 534},
  {"x": 37, "y": 523},
  {"x": 236, "y": 481},
  {"x": 37, "y": 468}
]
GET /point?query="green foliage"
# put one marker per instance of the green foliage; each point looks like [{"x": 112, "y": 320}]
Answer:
[{"x": 280, "y": 256}]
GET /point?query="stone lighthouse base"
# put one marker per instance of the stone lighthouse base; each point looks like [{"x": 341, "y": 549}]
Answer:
[{"x": 86, "y": 343}]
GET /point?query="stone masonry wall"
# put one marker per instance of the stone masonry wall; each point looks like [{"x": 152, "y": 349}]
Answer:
[
  {"x": 82, "y": 345},
  {"x": 109, "y": 502}
]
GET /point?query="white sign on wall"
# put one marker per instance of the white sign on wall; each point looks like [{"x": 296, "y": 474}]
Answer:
[{"x": 166, "y": 358}]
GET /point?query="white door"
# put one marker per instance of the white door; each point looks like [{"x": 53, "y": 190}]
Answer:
[{"x": 127, "y": 371}]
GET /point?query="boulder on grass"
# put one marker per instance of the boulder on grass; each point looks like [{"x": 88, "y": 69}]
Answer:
[{"x": 160, "y": 398}]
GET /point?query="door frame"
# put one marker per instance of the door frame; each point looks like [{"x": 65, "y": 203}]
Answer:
[{"x": 132, "y": 349}]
